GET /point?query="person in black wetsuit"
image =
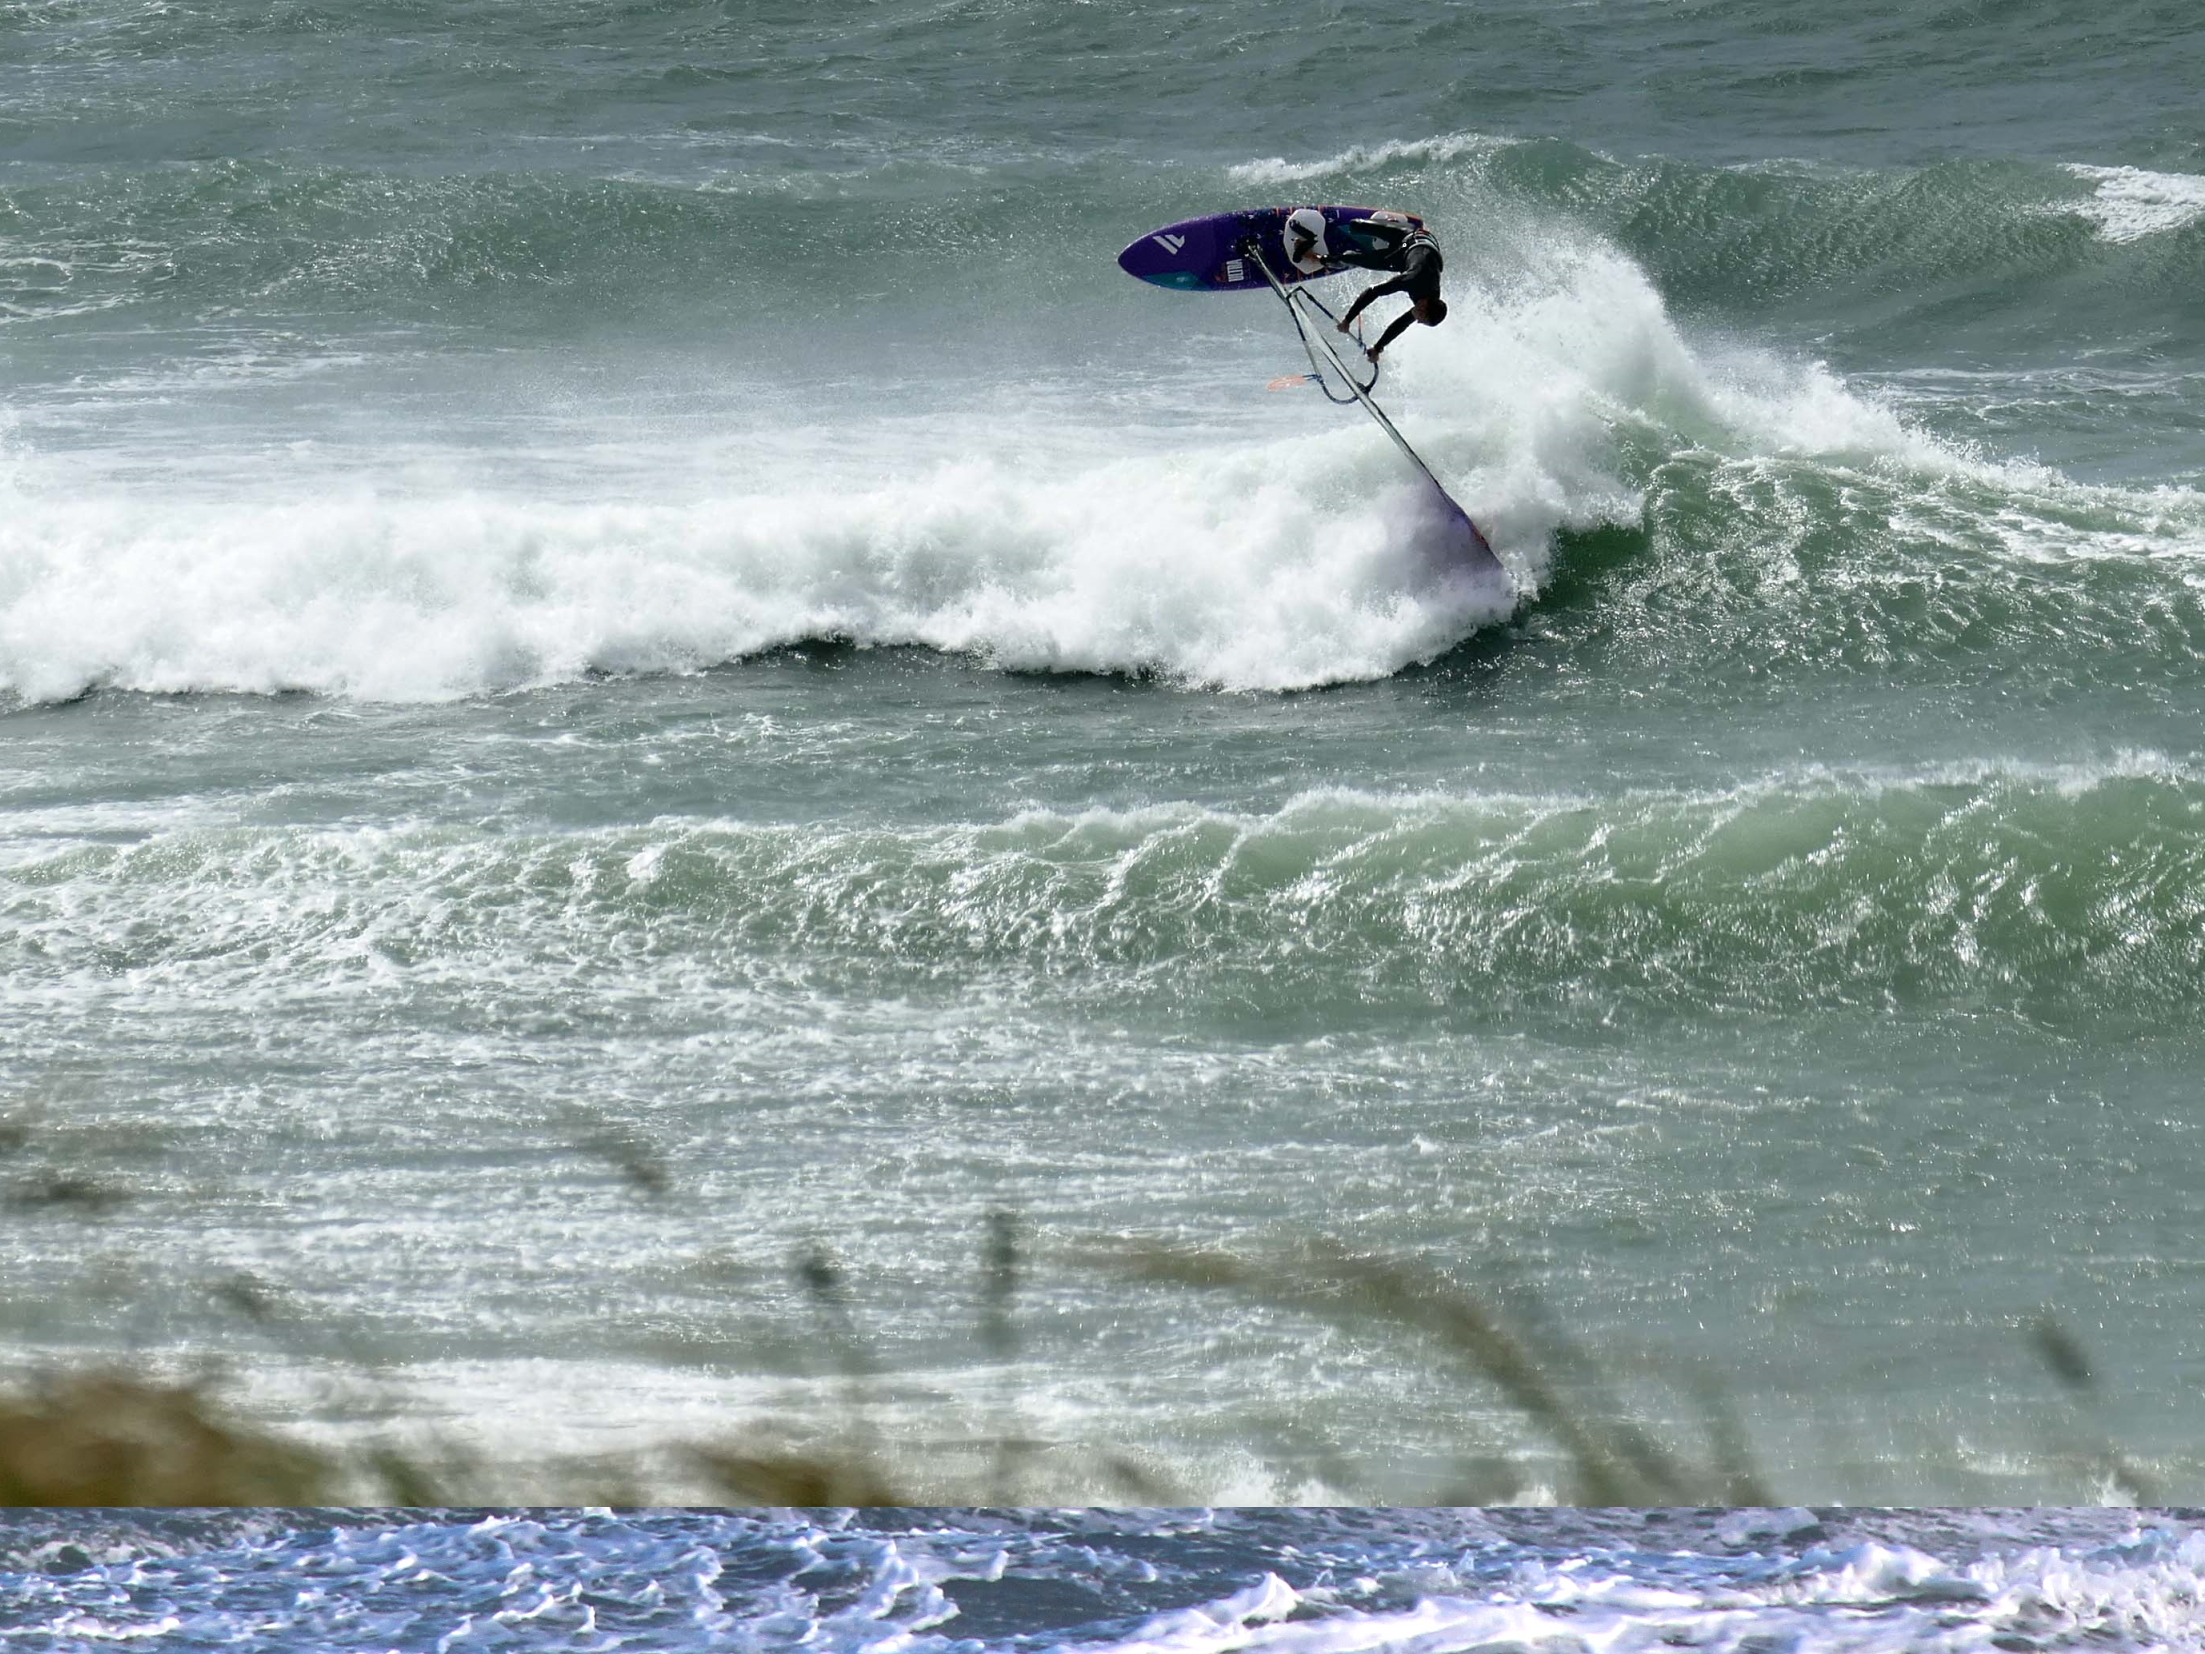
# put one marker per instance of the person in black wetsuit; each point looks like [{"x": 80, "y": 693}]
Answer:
[{"x": 1387, "y": 241}]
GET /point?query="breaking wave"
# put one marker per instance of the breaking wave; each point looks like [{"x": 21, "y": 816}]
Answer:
[
  {"x": 1569, "y": 400},
  {"x": 2053, "y": 895}
]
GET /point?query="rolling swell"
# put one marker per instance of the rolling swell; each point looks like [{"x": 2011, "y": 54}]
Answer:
[
  {"x": 1740, "y": 572},
  {"x": 2046, "y": 241},
  {"x": 334, "y": 242},
  {"x": 1759, "y": 569},
  {"x": 2064, "y": 898},
  {"x": 1946, "y": 241}
]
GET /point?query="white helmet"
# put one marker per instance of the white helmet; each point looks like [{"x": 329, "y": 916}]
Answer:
[{"x": 1306, "y": 221}]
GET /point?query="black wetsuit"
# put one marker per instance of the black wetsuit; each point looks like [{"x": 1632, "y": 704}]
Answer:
[{"x": 1420, "y": 265}]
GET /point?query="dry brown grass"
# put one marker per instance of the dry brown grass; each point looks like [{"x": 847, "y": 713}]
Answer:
[
  {"x": 112, "y": 1438},
  {"x": 798, "y": 1479}
]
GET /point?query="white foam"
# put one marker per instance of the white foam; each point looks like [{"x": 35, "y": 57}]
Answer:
[
  {"x": 1268, "y": 569},
  {"x": 1579, "y": 335},
  {"x": 1582, "y": 344},
  {"x": 2131, "y": 203},
  {"x": 2137, "y": 1595}
]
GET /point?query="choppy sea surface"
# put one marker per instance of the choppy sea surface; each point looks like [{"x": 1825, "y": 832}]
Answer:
[
  {"x": 1161, "y": 1582},
  {"x": 624, "y": 652}
]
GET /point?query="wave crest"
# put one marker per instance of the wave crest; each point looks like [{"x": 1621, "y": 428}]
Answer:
[{"x": 2045, "y": 893}]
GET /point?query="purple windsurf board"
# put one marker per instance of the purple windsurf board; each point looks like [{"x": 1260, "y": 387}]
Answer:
[{"x": 1206, "y": 255}]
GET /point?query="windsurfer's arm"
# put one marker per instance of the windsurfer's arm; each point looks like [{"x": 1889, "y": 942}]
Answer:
[
  {"x": 1392, "y": 333},
  {"x": 1397, "y": 285}
]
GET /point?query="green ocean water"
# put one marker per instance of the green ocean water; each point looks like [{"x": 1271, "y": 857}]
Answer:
[{"x": 635, "y": 573}]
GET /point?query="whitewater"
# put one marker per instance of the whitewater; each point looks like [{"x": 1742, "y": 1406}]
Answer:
[{"x": 1318, "y": 1582}]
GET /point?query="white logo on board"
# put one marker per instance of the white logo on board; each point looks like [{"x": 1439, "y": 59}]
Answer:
[
  {"x": 1235, "y": 270},
  {"x": 1170, "y": 243}
]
